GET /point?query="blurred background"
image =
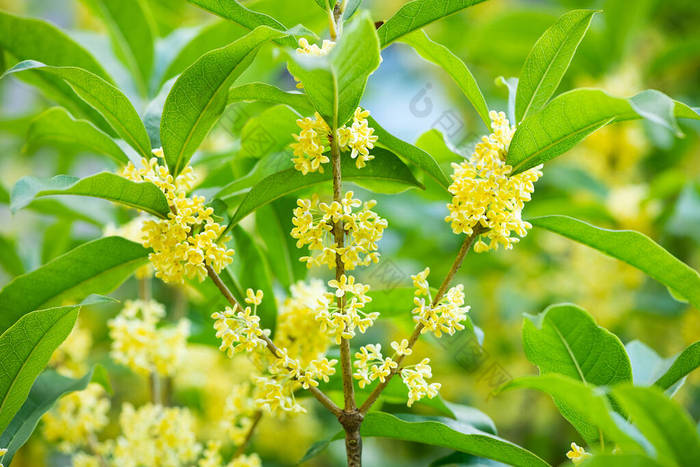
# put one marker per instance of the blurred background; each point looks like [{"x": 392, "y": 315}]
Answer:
[{"x": 626, "y": 176}]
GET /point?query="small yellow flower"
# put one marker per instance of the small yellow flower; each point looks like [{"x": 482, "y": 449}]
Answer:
[
  {"x": 254, "y": 297},
  {"x": 359, "y": 138},
  {"x": 314, "y": 50},
  {"x": 3, "y": 451},
  {"x": 577, "y": 454},
  {"x": 401, "y": 348}
]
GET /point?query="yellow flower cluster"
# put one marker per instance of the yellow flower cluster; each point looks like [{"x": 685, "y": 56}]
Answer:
[
  {"x": 189, "y": 238},
  {"x": 314, "y": 50},
  {"x": 155, "y": 435},
  {"x": 577, "y": 454},
  {"x": 3, "y": 451},
  {"x": 139, "y": 343},
  {"x": 363, "y": 229},
  {"x": 297, "y": 328},
  {"x": 371, "y": 365},
  {"x": 310, "y": 144},
  {"x": 238, "y": 413},
  {"x": 415, "y": 379},
  {"x": 251, "y": 460},
  {"x": 358, "y": 137},
  {"x": 447, "y": 315},
  {"x": 486, "y": 195},
  {"x": 343, "y": 323},
  {"x": 70, "y": 357},
  {"x": 77, "y": 417},
  {"x": 240, "y": 330}
]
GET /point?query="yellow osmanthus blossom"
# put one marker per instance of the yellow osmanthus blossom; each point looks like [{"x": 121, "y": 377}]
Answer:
[
  {"x": 83, "y": 459},
  {"x": 577, "y": 454},
  {"x": 250, "y": 460},
  {"x": 309, "y": 146},
  {"x": 70, "y": 358},
  {"x": 415, "y": 379},
  {"x": 3, "y": 451},
  {"x": 486, "y": 195},
  {"x": 371, "y": 365},
  {"x": 239, "y": 330},
  {"x": 314, "y": 50},
  {"x": 344, "y": 323},
  {"x": 189, "y": 239},
  {"x": 139, "y": 343},
  {"x": 238, "y": 413},
  {"x": 313, "y": 225},
  {"x": 311, "y": 142},
  {"x": 358, "y": 137},
  {"x": 77, "y": 417},
  {"x": 447, "y": 315},
  {"x": 156, "y": 436}
]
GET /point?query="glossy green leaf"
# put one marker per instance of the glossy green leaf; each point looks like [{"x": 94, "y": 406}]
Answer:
[
  {"x": 26, "y": 348},
  {"x": 46, "y": 390},
  {"x": 109, "y": 101},
  {"x": 234, "y": 11},
  {"x": 268, "y": 132},
  {"x": 199, "y": 96},
  {"x": 144, "y": 196},
  {"x": 647, "y": 365},
  {"x": 433, "y": 142},
  {"x": 262, "y": 92},
  {"x": 448, "y": 434},
  {"x": 129, "y": 25},
  {"x": 98, "y": 266},
  {"x": 48, "y": 44},
  {"x": 634, "y": 248},
  {"x": 215, "y": 35},
  {"x": 325, "y": 4},
  {"x": 569, "y": 118},
  {"x": 565, "y": 339},
  {"x": 56, "y": 240},
  {"x": 548, "y": 61},
  {"x": 662, "y": 422},
  {"x": 410, "y": 153},
  {"x": 416, "y": 14},
  {"x": 456, "y": 68},
  {"x": 250, "y": 272},
  {"x": 265, "y": 167},
  {"x": 385, "y": 166},
  {"x": 57, "y": 126},
  {"x": 589, "y": 407},
  {"x": 682, "y": 365},
  {"x": 335, "y": 83}
]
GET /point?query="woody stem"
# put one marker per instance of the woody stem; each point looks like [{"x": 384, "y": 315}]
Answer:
[
  {"x": 256, "y": 419},
  {"x": 320, "y": 396},
  {"x": 464, "y": 249}
]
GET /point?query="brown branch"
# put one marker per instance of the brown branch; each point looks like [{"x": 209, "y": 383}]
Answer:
[
  {"x": 466, "y": 246},
  {"x": 241, "y": 449},
  {"x": 318, "y": 394}
]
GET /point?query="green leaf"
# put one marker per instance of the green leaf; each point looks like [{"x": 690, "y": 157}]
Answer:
[
  {"x": 199, "y": 96},
  {"x": 633, "y": 248},
  {"x": 616, "y": 460},
  {"x": 250, "y": 272},
  {"x": 98, "y": 266},
  {"x": 109, "y": 101},
  {"x": 385, "y": 166},
  {"x": 56, "y": 240},
  {"x": 662, "y": 422},
  {"x": 336, "y": 82},
  {"x": 265, "y": 167},
  {"x": 683, "y": 364},
  {"x": 210, "y": 37},
  {"x": 129, "y": 25},
  {"x": 569, "y": 118},
  {"x": 234, "y": 11},
  {"x": 565, "y": 339},
  {"x": 434, "y": 143},
  {"x": 56, "y": 125},
  {"x": 26, "y": 348},
  {"x": 268, "y": 132},
  {"x": 9, "y": 258},
  {"x": 548, "y": 61},
  {"x": 325, "y": 4},
  {"x": 263, "y": 92},
  {"x": 409, "y": 152},
  {"x": 448, "y": 434},
  {"x": 46, "y": 390},
  {"x": 274, "y": 223},
  {"x": 647, "y": 365},
  {"x": 456, "y": 68},
  {"x": 48, "y": 44},
  {"x": 418, "y": 13},
  {"x": 588, "y": 405},
  {"x": 144, "y": 196}
]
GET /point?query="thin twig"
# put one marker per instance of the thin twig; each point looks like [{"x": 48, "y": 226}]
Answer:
[
  {"x": 319, "y": 395},
  {"x": 466, "y": 246},
  {"x": 256, "y": 419}
]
